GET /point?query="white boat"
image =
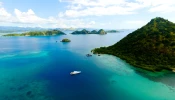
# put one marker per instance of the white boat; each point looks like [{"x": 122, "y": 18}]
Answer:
[{"x": 75, "y": 72}]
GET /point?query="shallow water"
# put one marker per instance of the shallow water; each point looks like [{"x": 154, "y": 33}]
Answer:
[{"x": 37, "y": 68}]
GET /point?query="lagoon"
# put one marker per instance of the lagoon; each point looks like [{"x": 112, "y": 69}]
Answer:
[{"x": 38, "y": 68}]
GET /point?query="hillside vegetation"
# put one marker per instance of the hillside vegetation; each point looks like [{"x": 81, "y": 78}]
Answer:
[
  {"x": 152, "y": 47},
  {"x": 84, "y": 31},
  {"x": 39, "y": 33}
]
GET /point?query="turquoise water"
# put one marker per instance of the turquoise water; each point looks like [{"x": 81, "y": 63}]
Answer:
[{"x": 37, "y": 68}]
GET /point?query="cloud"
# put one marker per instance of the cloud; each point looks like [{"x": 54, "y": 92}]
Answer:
[
  {"x": 4, "y": 13},
  {"x": 78, "y": 10},
  {"x": 135, "y": 23},
  {"x": 65, "y": 0},
  {"x": 29, "y": 18},
  {"x": 66, "y": 23},
  {"x": 75, "y": 7},
  {"x": 81, "y": 8},
  {"x": 157, "y": 2},
  {"x": 92, "y": 22},
  {"x": 160, "y": 6},
  {"x": 97, "y": 11},
  {"x": 163, "y": 9},
  {"x": 95, "y": 2}
]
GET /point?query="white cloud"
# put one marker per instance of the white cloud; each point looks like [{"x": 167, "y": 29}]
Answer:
[
  {"x": 81, "y": 8},
  {"x": 97, "y": 11},
  {"x": 77, "y": 23},
  {"x": 163, "y": 9},
  {"x": 160, "y": 6},
  {"x": 92, "y": 22},
  {"x": 157, "y": 2},
  {"x": 29, "y": 18},
  {"x": 66, "y": 23},
  {"x": 135, "y": 23},
  {"x": 4, "y": 13},
  {"x": 65, "y": 0},
  {"x": 76, "y": 9},
  {"x": 95, "y": 2}
]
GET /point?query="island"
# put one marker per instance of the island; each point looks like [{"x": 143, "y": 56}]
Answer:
[
  {"x": 13, "y": 29},
  {"x": 84, "y": 31},
  {"x": 39, "y": 33},
  {"x": 66, "y": 40},
  {"x": 101, "y": 31},
  {"x": 112, "y": 31},
  {"x": 152, "y": 47}
]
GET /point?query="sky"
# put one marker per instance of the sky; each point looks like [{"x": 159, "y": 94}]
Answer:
[{"x": 107, "y": 14}]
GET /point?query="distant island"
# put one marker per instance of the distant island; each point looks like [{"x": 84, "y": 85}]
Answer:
[
  {"x": 11, "y": 29},
  {"x": 69, "y": 29},
  {"x": 84, "y": 31},
  {"x": 66, "y": 40},
  {"x": 39, "y": 33},
  {"x": 152, "y": 47},
  {"x": 112, "y": 31}
]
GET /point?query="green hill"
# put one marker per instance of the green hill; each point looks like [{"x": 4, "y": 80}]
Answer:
[
  {"x": 84, "y": 31},
  {"x": 101, "y": 31},
  {"x": 39, "y": 33},
  {"x": 112, "y": 31},
  {"x": 152, "y": 47},
  {"x": 66, "y": 40}
]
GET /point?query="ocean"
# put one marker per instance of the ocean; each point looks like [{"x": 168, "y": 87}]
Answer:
[{"x": 38, "y": 68}]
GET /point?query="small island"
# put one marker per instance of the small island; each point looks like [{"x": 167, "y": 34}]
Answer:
[
  {"x": 65, "y": 40},
  {"x": 152, "y": 47},
  {"x": 101, "y": 31},
  {"x": 112, "y": 31},
  {"x": 84, "y": 31},
  {"x": 39, "y": 33}
]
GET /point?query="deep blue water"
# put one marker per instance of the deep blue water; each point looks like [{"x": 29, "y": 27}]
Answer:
[{"x": 37, "y": 68}]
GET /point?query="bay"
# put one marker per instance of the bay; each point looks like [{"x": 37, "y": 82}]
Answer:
[{"x": 37, "y": 68}]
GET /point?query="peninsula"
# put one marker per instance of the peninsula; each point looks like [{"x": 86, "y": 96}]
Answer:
[
  {"x": 39, "y": 33},
  {"x": 152, "y": 47}
]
